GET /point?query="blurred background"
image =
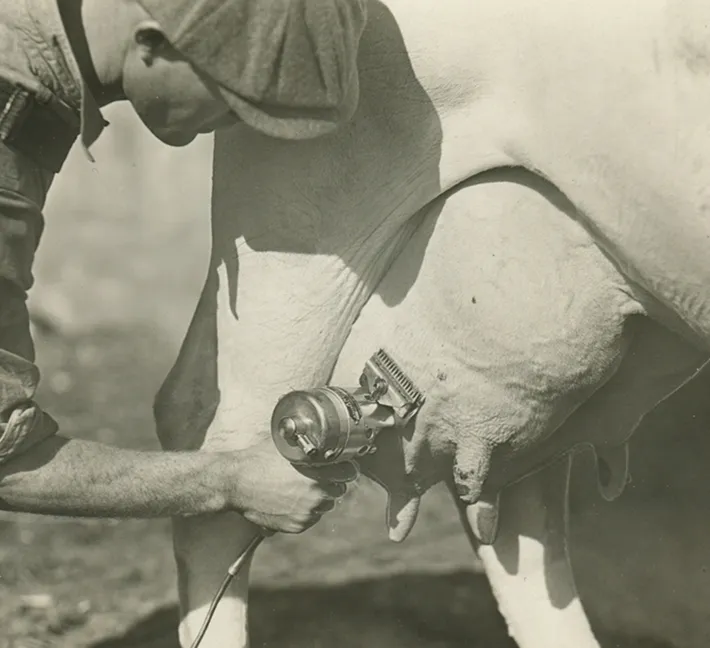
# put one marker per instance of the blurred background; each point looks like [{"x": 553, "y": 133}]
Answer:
[
  {"x": 121, "y": 264},
  {"x": 126, "y": 238}
]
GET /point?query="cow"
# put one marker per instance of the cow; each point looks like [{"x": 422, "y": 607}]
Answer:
[{"x": 518, "y": 212}]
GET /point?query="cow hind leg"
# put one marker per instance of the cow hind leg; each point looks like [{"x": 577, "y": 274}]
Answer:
[
  {"x": 527, "y": 560},
  {"x": 187, "y": 415},
  {"x": 205, "y": 547},
  {"x": 528, "y": 564}
]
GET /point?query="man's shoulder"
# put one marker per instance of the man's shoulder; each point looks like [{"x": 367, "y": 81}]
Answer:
[
  {"x": 16, "y": 47},
  {"x": 38, "y": 115}
]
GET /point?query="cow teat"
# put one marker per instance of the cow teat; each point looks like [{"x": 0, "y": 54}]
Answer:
[
  {"x": 612, "y": 470},
  {"x": 387, "y": 467}
]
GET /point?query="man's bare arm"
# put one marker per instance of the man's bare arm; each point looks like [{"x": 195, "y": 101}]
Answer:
[
  {"x": 61, "y": 476},
  {"x": 74, "y": 477}
]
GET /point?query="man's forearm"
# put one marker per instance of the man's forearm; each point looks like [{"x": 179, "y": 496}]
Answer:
[{"x": 74, "y": 477}]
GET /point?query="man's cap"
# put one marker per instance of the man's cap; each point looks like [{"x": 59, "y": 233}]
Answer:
[{"x": 288, "y": 68}]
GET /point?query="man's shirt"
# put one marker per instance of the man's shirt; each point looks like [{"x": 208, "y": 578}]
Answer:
[{"x": 36, "y": 61}]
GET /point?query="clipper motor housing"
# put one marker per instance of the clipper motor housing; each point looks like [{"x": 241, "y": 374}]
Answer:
[{"x": 329, "y": 425}]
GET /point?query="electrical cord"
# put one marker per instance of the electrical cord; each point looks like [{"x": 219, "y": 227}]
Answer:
[{"x": 231, "y": 573}]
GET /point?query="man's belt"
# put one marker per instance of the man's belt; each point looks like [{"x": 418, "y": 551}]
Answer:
[{"x": 35, "y": 128}]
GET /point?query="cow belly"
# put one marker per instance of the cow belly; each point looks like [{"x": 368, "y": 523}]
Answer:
[{"x": 505, "y": 314}]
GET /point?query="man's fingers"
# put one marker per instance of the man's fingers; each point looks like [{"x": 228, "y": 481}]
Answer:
[
  {"x": 325, "y": 506},
  {"x": 334, "y": 490},
  {"x": 343, "y": 472}
]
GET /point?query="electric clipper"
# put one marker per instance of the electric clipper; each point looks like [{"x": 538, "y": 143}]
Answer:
[{"x": 329, "y": 425}]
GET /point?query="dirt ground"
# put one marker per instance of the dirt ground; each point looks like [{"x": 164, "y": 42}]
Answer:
[{"x": 641, "y": 562}]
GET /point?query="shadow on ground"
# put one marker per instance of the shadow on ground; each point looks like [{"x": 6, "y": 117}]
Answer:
[{"x": 406, "y": 611}]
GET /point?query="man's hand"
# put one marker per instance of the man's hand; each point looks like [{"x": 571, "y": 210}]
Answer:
[{"x": 277, "y": 496}]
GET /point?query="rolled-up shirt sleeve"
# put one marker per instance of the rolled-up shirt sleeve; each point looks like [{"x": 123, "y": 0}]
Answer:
[
  {"x": 23, "y": 187},
  {"x": 24, "y": 424}
]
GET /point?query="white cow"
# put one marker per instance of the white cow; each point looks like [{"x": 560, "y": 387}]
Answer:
[{"x": 538, "y": 308}]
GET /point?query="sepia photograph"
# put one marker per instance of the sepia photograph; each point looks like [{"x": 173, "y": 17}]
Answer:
[{"x": 354, "y": 324}]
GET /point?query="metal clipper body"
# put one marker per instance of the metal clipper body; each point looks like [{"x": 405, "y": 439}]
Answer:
[{"x": 332, "y": 424}]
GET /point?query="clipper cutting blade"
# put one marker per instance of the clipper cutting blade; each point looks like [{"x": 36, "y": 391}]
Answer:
[{"x": 401, "y": 393}]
